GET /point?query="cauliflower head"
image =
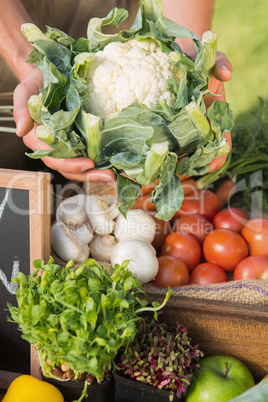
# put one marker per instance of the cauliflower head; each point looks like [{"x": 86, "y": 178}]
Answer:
[{"x": 126, "y": 73}]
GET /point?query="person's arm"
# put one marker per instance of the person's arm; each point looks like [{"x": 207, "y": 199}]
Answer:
[
  {"x": 195, "y": 15},
  {"x": 14, "y": 47}
]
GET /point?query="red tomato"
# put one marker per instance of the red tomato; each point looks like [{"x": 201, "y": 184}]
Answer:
[
  {"x": 207, "y": 273},
  {"x": 253, "y": 267},
  {"x": 171, "y": 272},
  {"x": 144, "y": 202},
  {"x": 162, "y": 229},
  {"x": 148, "y": 189},
  {"x": 183, "y": 246},
  {"x": 225, "y": 248},
  {"x": 197, "y": 225},
  {"x": 230, "y": 218},
  {"x": 255, "y": 232},
  {"x": 203, "y": 202}
]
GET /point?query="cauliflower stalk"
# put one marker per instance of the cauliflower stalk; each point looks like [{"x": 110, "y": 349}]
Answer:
[{"x": 131, "y": 101}]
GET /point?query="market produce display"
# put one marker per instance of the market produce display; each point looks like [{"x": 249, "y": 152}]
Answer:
[
  {"x": 87, "y": 320},
  {"x": 130, "y": 101}
]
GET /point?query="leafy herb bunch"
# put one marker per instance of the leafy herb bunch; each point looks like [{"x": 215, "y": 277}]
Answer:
[
  {"x": 247, "y": 162},
  {"x": 161, "y": 357},
  {"x": 79, "y": 317}
]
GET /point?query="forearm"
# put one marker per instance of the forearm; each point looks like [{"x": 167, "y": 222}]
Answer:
[
  {"x": 196, "y": 15},
  {"x": 14, "y": 47}
]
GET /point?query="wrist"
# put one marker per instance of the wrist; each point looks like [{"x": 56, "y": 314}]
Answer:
[
  {"x": 187, "y": 46},
  {"x": 18, "y": 62}
]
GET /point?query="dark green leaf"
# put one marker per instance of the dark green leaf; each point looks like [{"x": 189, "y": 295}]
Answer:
[
  {"x": 221, "y": 117},
  {"x": 168, "y": 195},
  {"x": 127, "y": 191},
  {"x": 54, "y": 85},
  {"x": 59, "y": 36},
  {"x": 122, "y": 135},
  {"x": 125, "y": 160},
  {"x": 55, "y": 53},
  {"x": 97, "y": 39}
]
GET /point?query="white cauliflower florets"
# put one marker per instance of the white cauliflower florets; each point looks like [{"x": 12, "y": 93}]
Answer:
[{"x": 127, "y": 73}]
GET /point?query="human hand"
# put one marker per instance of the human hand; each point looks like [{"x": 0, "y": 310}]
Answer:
[
  {"x": 222, "y": 72},
  {"x": 80, "y": 169}
]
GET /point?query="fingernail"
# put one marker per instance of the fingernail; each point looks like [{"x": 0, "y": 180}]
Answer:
[
  {"x": 19, "y": 126},
  {"x": 225, "y": 67}
]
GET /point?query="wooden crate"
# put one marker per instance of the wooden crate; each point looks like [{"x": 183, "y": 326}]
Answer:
[{"x": 225, "y": 328}]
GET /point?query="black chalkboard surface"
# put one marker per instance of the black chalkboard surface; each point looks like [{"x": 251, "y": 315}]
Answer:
[
  {"x": 15, "y": 256},
  {"x": 24, "y": 236}
]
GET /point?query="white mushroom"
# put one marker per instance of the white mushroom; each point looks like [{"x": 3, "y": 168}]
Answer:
[
  {"x": 78, "y": 199},
  {"x": 71, "y": 213},
  {"x": 101, "y": 247},
  {"x": 93, "y": 208},
  {"x": 97, "y": 211},
  {"x": 66, "y": 245},
  {"x": 142, "y": 260},
  {"x": 83, "y": 233},
  {"x": 138, "y": 224},
  {"x": 112, "y": 203}
]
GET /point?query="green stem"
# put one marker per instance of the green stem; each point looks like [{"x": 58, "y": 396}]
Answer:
[
  {"x": 46, "y": 134},
  {"x": 198, "y": 119},
  {"x": 225, "y": 369},
  {"x": 248, "y": 169},
  {"x": 166, "y": 108},
  {"x": 214, "y": 176},
  {"x": 90, "y": 128},
  {"x": 154, "y": 159},
  {"x": 141, "y": 310},
  {"x": 247, "y": 161},
  {"x": 205, "y": 60},
  {"x": 65, "y": 304},
  {"x": 84, "y": 393}
]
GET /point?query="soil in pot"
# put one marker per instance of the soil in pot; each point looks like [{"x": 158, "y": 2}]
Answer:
[
  {"x": 128, "y": 390},
  {"x": 71, "y": 390}
]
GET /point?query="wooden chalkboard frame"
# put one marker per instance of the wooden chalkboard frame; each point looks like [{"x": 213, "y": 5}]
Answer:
[{"x": 38, "y": 185}]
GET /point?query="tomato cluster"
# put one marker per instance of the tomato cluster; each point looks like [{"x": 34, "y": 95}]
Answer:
[{"x": 205, "y": 245}]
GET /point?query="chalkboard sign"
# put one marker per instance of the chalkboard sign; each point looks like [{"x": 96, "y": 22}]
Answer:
[{"x": 24, "y": 236}]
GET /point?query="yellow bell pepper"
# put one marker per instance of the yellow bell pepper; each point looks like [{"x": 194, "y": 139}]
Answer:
[{"x": 26, "y": 388}]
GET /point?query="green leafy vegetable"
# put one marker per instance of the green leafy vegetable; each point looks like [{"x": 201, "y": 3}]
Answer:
[
  {"x": 119, "y": 123},
  {"x": 80, "y": 316},
  {"x": 161, "y": 357},
  {"x": 247, "y": 162}
]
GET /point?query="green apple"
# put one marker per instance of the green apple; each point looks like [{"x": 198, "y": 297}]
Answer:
[{"x": 219, "y": 379}]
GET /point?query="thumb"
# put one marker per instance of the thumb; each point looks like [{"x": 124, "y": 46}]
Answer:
[
  {"x": 21, "y": 95},
  {"x": 223, "y": 68}
]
